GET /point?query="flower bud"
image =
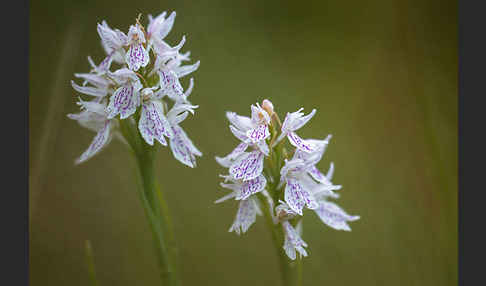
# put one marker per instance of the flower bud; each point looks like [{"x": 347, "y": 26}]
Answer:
[{"x": 267, "y": 105}]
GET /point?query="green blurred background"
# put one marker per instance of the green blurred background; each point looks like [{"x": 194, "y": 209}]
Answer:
[{"x": 382, "y": 75}]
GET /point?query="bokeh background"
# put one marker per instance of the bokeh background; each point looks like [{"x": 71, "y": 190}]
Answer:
[{"x": 383, "y": 77}]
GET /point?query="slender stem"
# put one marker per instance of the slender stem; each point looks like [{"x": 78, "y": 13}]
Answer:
[
  {"x": 286, "y": 269},
  {"x": 152, "y": 201},
  {"x": 90, "y": 264}
]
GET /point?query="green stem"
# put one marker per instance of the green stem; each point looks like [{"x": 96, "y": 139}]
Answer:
[
  {"x": 90, "y": 263},
  {"x": 287, "y": 267},
  {"x": 152, "y": 201}
]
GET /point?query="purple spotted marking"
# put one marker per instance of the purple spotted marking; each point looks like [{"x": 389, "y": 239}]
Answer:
[
  {"x": 153, "y": 124},
  {"x": 293, "y": 241},
  {"x": 300, "y": 143},
  {"x": 252, "y": 187},
  {"x": 137, "y": 57},
  {"x": 124, "y": 102},
  {"x": 259, "y": 133},
  {"x": 245, "y": 216},
  {"x": 247, "y": 167},
  {"x": 99, "y": 141},
  {"x": 171, "y": 85},
  {"x": 297, "y": 197}
]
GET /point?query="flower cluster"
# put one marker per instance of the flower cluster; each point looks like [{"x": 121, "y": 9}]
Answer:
[
  {"x": 147, "y": 71},
  {"x": 283, "y": 183}
]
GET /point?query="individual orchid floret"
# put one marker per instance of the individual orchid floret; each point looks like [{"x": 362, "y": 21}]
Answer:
[
  {"x": 245, "y": 189},
  {"x": 159, "y": 27},
  {"x": 99, "y": 85},
  {"x": 247, "y": 211},
  {"x": 247, "y": 166},
  {"x": 137, "y": 56},
  {"x": 293, "y": 242},
  {"x": 298, "y": 192},
  {"x": 153, "y": 124},
  {"x": 330, "y": 213},
  {"x": 182, "y": 147},
  {"x": 93, "y": 117},
  {"x": 103, "y": 67},
  {"x": 333, "y": 216},
  {"x": 294, "y": 121},
  {"x": 284, "y": 212},
  {"x": 112, "y": 41},
  {"x": 252, "y": 132},
  {"x": 126, "y": 98}
]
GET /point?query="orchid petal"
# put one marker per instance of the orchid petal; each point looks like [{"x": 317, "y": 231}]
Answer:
[
  {"x": 245, "y": 216},
  {"x": 259, "y": 133},
  {"x": 251, "y": 187},
  {"x": 296, "y": 196},
  {"x": 182, "y": 71},
  {"x": 300, "y": 143},
  {"x": 101, "y": 139},
  {"x": 153, "y": 124},
  {"x": 247, "y": 166},
  {"x": 228, "y": 159},
  {"x": 335, "y": 217},
  {"x": 124, "y": 101},
  {"x": 93, "y": 91},
  {"x": 293, "y": 241},
  {"x": 137, "y": 57},
  {"x": 240, "y": 122}
]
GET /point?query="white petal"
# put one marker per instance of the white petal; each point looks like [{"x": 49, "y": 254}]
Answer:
[
  {"x": 239, "y": 134},
  {"x": 259, "y": 115},
  {"x": 137, "y": 57},
  {"x": 170, "y": 85},
  {"x": 296, "y": 196},
  {"x": 293, "y": 241},
  {"x": 300, "y": 143},
  {"x": 263, "y": 147},
  {"x": 153, "y": 124},
  {"x": 124, "y": 101},
  {"x": 179, "y": 111},
  {"x": 92, "y": 106},
  {"x": 154, "y": 24},
  {"x": 334, "y": 216},
  {"x": 240, "y": 122},
  {"x": 101, "y": 139},
  {"x": 187, "y": 69},
  {"x": 166, "y": 26},
  {"x": 259, "y": 133},
  {"x": 182, "y": 147},
  {"x": 245, "y": 216},
  {"x": 93, "y": 91},
  {"x": 228, "y": 159},
  {"x": 225, "y": 198},
  {"x": 110, "y": 38},
  {"x": 247, "y": 166},
  {"x": 123, "y": 75},
  {"x": 94, "y": 79},
  {"x": 251, "y": 187},
  {"x": 330, "y": 172},
  {"x": 90, "y": 120},
  {"x": 302, "y": 120},
  {"x": 296, "y": 120}
]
